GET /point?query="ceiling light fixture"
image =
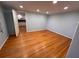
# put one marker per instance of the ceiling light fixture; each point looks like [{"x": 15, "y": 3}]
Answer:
[
  {"x": 21, "y": 6},
  {"x": 47, "y": 12},
  {"x": 54, "y": 2},
  {"x": 66, "y": 7},
  {"x": 37, "y": 10},
  {"x": 19, "y": 16}
]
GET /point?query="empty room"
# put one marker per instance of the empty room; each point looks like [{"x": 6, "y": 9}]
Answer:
[{"x": 39, "y": 29}]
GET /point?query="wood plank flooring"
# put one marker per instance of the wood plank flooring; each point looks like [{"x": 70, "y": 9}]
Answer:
[{"x": 40, "y": 44}]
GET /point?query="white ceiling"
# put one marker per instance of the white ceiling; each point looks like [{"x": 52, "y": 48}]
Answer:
[{"x": 44, "y": 6}]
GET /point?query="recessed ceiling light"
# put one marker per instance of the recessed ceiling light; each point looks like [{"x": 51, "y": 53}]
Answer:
[
  {"x": 21, "y": 6},
  {"x": 47, "y": 12},
  {"x": 54, "y": 2},
  {"x": 66, "y": 7},
  {"x": 37, "y": 10}
]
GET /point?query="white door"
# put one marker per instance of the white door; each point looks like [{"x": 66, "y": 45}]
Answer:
[{"x": 15, "y": 19}]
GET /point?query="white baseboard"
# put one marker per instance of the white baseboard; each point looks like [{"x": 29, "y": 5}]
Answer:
[
  {"x": 60, "y": 34},
  {"x": 3, "y": 43},
  {"x": 36, "y": 30}
]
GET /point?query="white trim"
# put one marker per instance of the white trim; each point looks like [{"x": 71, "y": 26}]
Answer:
[
  {"x": 75, "y": 30},
  {"x": 59, "y": 33},
  {"x": 3, "y": 43},
  {"x": 15, "y": 20},
  {"x": 36, "y": 30}
]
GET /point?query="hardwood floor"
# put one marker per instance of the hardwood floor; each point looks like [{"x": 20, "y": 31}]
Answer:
[{"x": 36, "y": 44}]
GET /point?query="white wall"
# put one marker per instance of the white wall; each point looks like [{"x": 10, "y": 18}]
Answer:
[
  {"x": 35, "y": 21},
  {"x": 7, "y": 12},
  {"x": 64, "y": 23},
  {"x": 74, "y": 47},
  {"x": 3, "y": 32}
]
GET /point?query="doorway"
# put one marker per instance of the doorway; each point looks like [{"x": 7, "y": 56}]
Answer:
[{"x": 21, "y": 21}]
